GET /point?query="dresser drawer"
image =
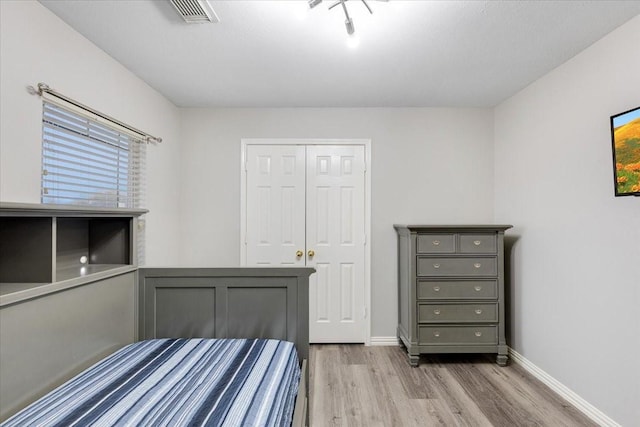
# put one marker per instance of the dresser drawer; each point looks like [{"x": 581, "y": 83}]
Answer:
[
  {"x": 434, "y": 313},
  {"x": 456, "y": 266},
  {"x": 478, "y": 243},
  {"x": 461, "y": 289},
  {"x": 436, "y": 243},
  {"x": 459, "y": 335}
]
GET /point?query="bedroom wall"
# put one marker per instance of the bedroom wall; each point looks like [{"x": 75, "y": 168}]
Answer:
[
  {"x": 428, "y": 166},
  {"x": 575, "y": 274},
  {"x": 36, "y": 46}
]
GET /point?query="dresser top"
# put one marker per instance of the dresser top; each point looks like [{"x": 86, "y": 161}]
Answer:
[{"x": 453, "y": 228}]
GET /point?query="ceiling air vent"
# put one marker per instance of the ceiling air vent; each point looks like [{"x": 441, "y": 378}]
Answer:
[{"x": 195, "y": 11}]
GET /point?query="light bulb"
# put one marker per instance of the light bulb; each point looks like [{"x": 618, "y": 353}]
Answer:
[{"x": 353, "y": 42}]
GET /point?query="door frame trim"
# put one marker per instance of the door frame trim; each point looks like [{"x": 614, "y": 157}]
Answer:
[{"x": 366, "y": 143}]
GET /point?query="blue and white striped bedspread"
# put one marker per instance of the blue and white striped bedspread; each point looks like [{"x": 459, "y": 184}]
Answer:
[{"x": 177, "y": 382}]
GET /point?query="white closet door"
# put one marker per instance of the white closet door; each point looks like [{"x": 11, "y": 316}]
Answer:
[
  {"x": 335, "y": 224},
  {"x": 275, "y": 205}
]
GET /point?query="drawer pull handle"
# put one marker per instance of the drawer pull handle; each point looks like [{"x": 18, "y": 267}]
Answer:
[
  {"x": 478, "y": 333},
  {"x": 477, "y": 242},
  {"x": 478, "y": 311},
  {"x": 436, "y": 334},
  {"x": 436, "y": 242},
  {"x": 436, "y": 311},
  {"x": 477, "y": 288},
  {"x": 436, "y": 265},
  {"x": 436, "y": 288},
  {"x": 477, "y": 265}
]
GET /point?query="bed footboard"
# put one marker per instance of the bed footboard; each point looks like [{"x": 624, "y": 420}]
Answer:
[{"x": 241, "y": 302}]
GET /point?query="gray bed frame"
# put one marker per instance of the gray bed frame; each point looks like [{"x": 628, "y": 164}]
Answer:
[{"x": 230, "y": 303}]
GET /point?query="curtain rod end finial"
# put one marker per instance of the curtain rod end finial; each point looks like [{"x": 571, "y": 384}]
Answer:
[{"x": 42, "y": 87}]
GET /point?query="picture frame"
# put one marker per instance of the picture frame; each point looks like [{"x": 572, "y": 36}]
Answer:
[{"x": 625, "y": 145}]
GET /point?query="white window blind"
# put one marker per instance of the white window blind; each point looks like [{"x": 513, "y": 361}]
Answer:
[
  {"x": 89, "y": 163},
  {"x": 86, "y": 162}
]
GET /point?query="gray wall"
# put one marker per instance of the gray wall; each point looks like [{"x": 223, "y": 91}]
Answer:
[
  {"x": 429, "y": 165},
  {"x": 575, "y": 273}
]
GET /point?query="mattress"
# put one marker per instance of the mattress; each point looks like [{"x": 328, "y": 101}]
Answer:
[{"x": 177, "y": 382}]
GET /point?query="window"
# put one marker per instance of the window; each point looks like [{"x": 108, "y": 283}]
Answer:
[
  {"x": 85, "y": 162},
  {"x": 88, "y": 162}
]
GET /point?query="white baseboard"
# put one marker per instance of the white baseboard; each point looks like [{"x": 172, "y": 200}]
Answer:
[
  {"x": 384, "y": 341},
  {"x": 582, "y": 405}
]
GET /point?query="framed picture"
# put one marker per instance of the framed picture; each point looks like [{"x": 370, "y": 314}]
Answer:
[{"x": 625, "y": 141}]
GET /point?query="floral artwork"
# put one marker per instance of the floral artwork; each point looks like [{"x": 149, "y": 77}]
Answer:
[{"x": 625, "y": 133}]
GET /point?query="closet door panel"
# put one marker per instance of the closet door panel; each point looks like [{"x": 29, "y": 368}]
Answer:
[
  {"x": 275, "y": 205},
  {"x": 335, "y": 242}
]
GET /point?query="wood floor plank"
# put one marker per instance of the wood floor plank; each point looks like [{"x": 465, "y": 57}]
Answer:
[
  {"x": 450, "y": 392},
  {"x": 529, "y": 392},
  {"x": 396, "y": 410},
  {"x": 494, "y": 403},
  {"x": 326, "y": 394},
  {"x": 382, "y": 383},
  {"x": 360, "y": 400},
  {"x": 353, "y": 354},
  {"x": 353, "y": 385},
  {"x": 411, "y": 379}
]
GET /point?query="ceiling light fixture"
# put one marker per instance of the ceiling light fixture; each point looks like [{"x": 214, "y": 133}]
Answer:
[{"x": 348, "y": 22}]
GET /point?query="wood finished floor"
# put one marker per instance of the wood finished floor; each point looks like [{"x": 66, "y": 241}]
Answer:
[{"x": 354, "y": 385}]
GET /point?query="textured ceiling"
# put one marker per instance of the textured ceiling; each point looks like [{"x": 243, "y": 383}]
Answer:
[{"x": 282, "y": 54}]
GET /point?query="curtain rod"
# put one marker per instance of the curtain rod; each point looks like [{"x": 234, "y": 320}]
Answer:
[{"x": 44, "y": 88}]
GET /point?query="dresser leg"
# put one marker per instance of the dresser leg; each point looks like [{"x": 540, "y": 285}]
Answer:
[
  {"x": 413, "y": 359},
  {"x": 501, "y": 360}
]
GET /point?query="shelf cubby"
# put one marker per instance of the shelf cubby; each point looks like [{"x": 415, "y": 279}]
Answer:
[
  {"x": 41, "y": 245},
  {"x": 26, "y": 250}
]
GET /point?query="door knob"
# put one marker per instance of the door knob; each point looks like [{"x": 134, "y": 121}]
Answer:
[
  {"x": 299, "y": 253},
  {"x": 311, "y": 253}
]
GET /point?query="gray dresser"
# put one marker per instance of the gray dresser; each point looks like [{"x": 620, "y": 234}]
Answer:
[{"x": 451, "y": 289}]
